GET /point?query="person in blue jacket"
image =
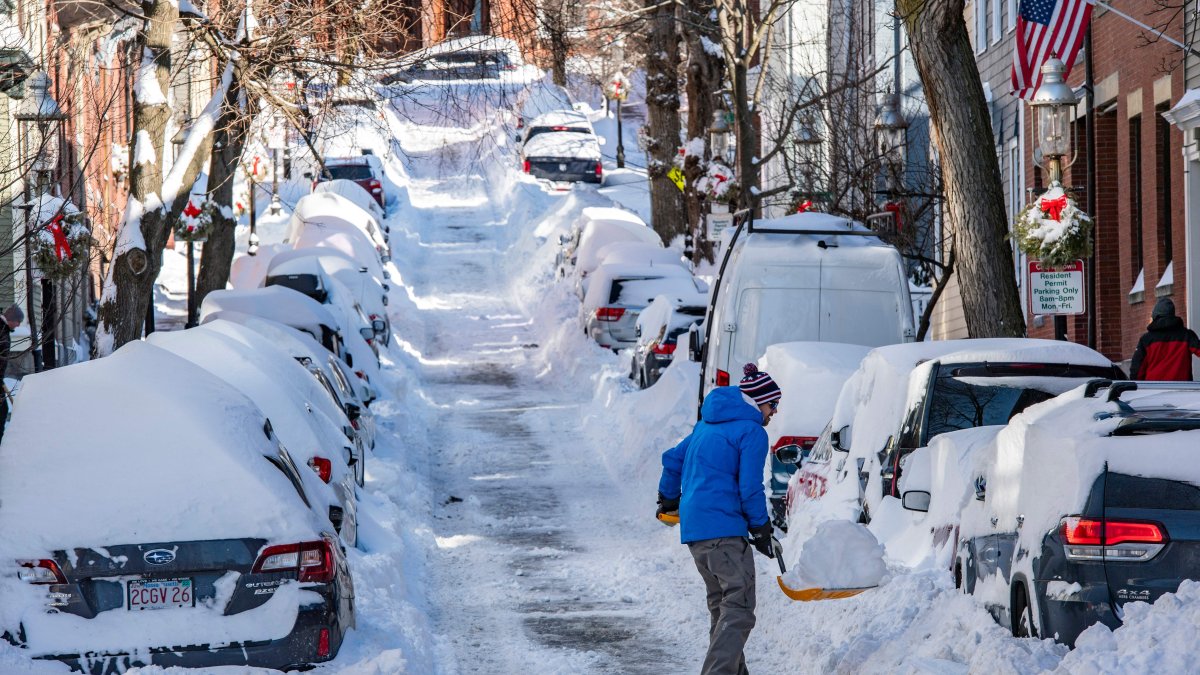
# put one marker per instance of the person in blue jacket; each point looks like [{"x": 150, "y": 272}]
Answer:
[{"x": 714, "y": 480}]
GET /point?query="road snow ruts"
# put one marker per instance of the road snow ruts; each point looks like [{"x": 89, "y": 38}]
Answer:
[{"x": 509, "y": 582}]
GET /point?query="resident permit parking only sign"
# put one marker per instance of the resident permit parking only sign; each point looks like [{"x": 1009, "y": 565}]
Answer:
[{"x": 1056, "y": 290}]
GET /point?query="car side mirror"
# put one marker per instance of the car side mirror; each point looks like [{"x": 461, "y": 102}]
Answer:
[
  {"x": 694, "y": 344},
  {"x": 385, "y": 301},
  {"x": 840, "y": 439},
  {"x": 308, "y": 175},
  {"x": 379, "y": 326},
  {"x": 517, "y": 139},
  {"x": 353, "y": 412},
  {"x": 980, "y": 488},
  {"x": 385, "y": 259},
  {"x": 367, "y": 333},
  {"x": 563, "y": 239},
  {"x": 916, "y": 500},
  {"x": 789, "y": 454},
  {"x": 367, "y": 394}
]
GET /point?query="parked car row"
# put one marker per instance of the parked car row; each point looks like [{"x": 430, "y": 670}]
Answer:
[{"x": 217, "y": 470}]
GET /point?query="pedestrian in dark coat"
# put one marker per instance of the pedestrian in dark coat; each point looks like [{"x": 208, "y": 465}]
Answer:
[
  {"x": 13, "y": 316},
  {"x": 1165, "y": 351},
  {"x": 714, "y": 480}
]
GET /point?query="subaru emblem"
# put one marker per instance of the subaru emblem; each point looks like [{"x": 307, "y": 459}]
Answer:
[{"x": 159, "y": 556}]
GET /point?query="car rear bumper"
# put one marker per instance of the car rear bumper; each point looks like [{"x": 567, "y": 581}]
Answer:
[
  {"x": 1064, "y": 617},
  {"x": 297, "y": 649}
]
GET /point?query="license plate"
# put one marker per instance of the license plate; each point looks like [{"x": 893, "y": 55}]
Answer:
[{"x": 161, "y": 593}]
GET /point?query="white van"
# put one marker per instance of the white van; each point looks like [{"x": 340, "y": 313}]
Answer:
[{"x": 807, "y": 277}]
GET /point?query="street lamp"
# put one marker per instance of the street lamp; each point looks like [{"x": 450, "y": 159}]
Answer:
[
  {"x": 891, "y": 140},
  {"x": 1054, "y": 104},
  {"x": 180, "y": 137},
  {"x": 38, "y": 111},
  {"x": 718, "y": 136}
]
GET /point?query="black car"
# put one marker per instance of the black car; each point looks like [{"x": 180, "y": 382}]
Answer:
[
  {"x": 653, "y": 353},
  {"x": 1135, "y": 537}
]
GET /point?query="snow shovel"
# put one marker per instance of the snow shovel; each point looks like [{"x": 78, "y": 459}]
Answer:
[
  {"x": 670, "y": 519},
  {"x": 809, "y": 594}
]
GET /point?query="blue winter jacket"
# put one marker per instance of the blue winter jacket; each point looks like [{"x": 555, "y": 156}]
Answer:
[{"x": 718, "y": 470}]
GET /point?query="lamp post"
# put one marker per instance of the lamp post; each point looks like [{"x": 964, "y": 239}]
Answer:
[
  {"x": 178, "y": 140},
  {"x": 39, "y": 112},
  {"x": 891, "y": 142},
  {"x": 617, "y": 91},
  {"x": 1053, "y": 106},
  {"x": 718, "y": 136}
]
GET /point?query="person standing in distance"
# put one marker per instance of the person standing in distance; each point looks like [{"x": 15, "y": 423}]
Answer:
[
  {"x": 714, "y": 480},
  {"x": 13, "y": 316},
  {"x": 1165, "y": 351}
]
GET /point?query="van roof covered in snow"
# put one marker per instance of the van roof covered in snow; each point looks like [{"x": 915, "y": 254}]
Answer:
[{"x": 147, "y": 482}]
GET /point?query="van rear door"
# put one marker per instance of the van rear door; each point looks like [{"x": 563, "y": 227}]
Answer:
[
  {"x": 766, "y": 316},
  {"x": 860, "y": 305}
]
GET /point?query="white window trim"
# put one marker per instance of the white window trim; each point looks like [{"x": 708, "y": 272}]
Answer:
[
  {"x": 997, "y": 20},
  {"x": 981, "y": 40},
  {"x": 1013, "y": 6}
]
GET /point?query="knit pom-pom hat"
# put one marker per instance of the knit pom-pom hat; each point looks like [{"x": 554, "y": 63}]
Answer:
[{"x": 759, "y": 385}]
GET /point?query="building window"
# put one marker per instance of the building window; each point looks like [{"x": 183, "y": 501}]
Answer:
[
  {"x": 1162, "y": 150},
  {"x": 1011, "y": 20},
  {"x": 997, "y": 20},
  {"x": 981, "y": 25},
  {"x": 1135, "y": 190}
]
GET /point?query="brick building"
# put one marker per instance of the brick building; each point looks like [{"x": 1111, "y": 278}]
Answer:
[{"x": 1140, "y": 228}]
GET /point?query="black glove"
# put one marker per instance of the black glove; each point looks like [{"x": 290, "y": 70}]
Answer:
[
  {"x": 666, "y": 505},
  {"x": 760, "y": 538}
]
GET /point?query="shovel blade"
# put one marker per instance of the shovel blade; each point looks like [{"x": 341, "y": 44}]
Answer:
[{"x": 810, "y": 594}]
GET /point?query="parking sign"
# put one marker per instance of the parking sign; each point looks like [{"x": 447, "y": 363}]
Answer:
[{"x": 1056, "y": 290}]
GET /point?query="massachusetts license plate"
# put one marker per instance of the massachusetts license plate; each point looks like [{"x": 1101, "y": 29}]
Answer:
[{"x": 161, "y": 593}]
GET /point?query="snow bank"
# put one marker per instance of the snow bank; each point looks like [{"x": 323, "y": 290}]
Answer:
[{"x": 841, "y": 554}]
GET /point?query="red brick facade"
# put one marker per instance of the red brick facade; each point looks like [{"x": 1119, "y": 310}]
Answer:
[{"x": 1139, "y": 179}]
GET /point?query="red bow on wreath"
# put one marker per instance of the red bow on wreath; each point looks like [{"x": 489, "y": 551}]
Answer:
[
  {"x": 804, "y": 206},
  {"x": 1053, "y": 208},
  {"x": 62, "y": 248},
  {"x": 191, "y": 210}
]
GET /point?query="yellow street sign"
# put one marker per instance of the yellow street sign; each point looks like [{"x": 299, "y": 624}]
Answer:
[{"x": 676, "y": 177}]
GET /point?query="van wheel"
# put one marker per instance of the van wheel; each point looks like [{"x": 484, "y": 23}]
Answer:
[{"x": 1022, "y": 614}]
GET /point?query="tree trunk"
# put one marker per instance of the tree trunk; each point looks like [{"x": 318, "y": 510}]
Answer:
[
  {"x": 229, "y": 140},
  {"x": 129, "y": 287},
  {"x": 667, "y": 211},
  {"x": 974, "y": 195},
  {"x": 705, "y": 72}
]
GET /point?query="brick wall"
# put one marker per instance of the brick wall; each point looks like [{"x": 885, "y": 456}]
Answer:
[{"x": 1132, "y": 86}]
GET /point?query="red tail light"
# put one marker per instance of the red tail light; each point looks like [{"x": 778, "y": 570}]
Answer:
[
  {"x": 354, "y": 423},
  {"x": 361, "y": 375},
  {"x": 805, "y": 442},
  {"x": 323, "y": 643},
  {"x": 610, "y": 313},
  {"x": 374, "y": 185},
  {"x": 599, "y": 170},
  {"x": 1109, "y": 532},
  {"x": 41, "y": 572},
  {"x": 520, "y": 122},
  {"x": 664, "y": 348},
  {"x": 526, "y": 166},
  {"x": 722, "y": 378},
  {"x": 323, "y": 467},
  {"x": 560, "y": 128},
  {"x": 310, "y": 560}
]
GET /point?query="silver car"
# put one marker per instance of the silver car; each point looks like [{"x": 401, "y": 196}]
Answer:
[{"x": 618, "y": 293}]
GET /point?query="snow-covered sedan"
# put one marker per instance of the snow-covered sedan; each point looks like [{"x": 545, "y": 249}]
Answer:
[
  {"x": 184, "y": 535},
  {"x": 1085, "y": 504},
  {"x": 562, "y": 150},
  {"x": 618, "y": 293}
]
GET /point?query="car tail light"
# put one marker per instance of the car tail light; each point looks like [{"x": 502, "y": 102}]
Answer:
[
  {"x": 610, "y": 313},
  {"x": 664, "y": 348},
  {"x": 323, "y": 643},
  {"x": 722, "y": 378},
  {"x": 526, "y": 166},
  {"x": 805, "y": 442},
  {"x": 354, "y": 423},
  {"x": 374, "y": 185},
  {"x": 1112, "y": 539},
  {"x": 361, "y": 375},
  {"x": 323, "y": 467},
  {"x": 310, "y": 560},
  {"x": 599, "y": 170},
  {"x": 560, "y": 128},
  {"x": 41, "y": 572},
  {"x": 520, "y": 122}
]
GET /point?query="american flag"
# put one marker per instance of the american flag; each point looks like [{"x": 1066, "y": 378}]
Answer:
[{"x": 1046, "y": 27}]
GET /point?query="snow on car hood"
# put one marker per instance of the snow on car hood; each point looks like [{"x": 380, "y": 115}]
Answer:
[
  {"x": 562, "y": 145},
  {"x": 164, "y": 477}
]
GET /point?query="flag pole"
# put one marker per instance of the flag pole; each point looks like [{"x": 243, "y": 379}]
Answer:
[
  {"x": 1089, "y": 88},
  {"x": 1161, "y": 34}
]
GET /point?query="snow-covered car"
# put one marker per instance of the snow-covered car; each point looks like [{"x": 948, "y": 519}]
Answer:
[
  {"x": 350, "y": 395},
  {"x": 327, "y": 213},
  {"x": 565, "y": 120},
  {"x": 284, "y": 305},
  {"x": 354, "y": 192},
  {"x": 595, "y": 240},
  {"x": 291, "y": 400},
  {"x": 657, "y": 330},
  {"x": 810, "y": 375},
  {"x": 562, "y": 156},
  {"x": 366, "y": 170},
  {"x": 569, "y": 242},
  {"x": 618, "y": 293},
  {"x": 365, "y": 289},
  {"x": 477, "y": 57},
  {"x": 903, "y": 396},
  {"x": 213, "y": 551},
  {"x": 348, "y": 241},
  {"x": 1085, "y": 504}
]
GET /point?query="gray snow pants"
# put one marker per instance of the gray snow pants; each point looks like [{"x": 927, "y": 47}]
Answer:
[{"x": 727, "y": 566}]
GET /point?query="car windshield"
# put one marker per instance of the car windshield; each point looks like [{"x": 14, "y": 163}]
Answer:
[
  {"x": 641, "y": 291},
  {"x": 965, "y": 396},
  {"x": 348, "y": 172},
  {"x": 536, "y": 131}
]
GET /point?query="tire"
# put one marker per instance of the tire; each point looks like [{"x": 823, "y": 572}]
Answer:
[
  {"x": 958, "y": 576},
  {"x": 1023, "y": 624}
]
